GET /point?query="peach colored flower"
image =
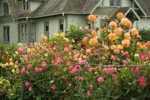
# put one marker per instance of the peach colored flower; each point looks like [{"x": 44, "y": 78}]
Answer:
[
  {"x": 88, "y": 51},
  {"x": 113, "y": 25},
  {"x": 127, "y": 36},
  {"x": 125, "y": 43},
  {"x": 134, "y": 32},
  {"x": 44, "y": 37},
  {"x": 112, "y": 47},
  {"x": 144, "y": 47},
  {"x": 139, "y": 37},
  {"x": 66, "y": 49},
  {"x": 139, "y": 45},
  {"x": 84, "y": 40},
  {"x": 93, "y": 33},
  {"x": 126, "y": 22},
  {"x": 120, "y": 47},
  {"x": 120, "y": 15},
  {"x": 118, "y": 31},
  {"x": 93, "y": 42},
  {"x": 92, "y": 18},
  {"x": 106, "y": 48},
  {"x": 112, "y": 37}
]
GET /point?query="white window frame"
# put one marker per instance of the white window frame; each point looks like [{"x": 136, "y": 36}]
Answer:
[
  {"x": 6, "y": 34},
  {"x": 24, "y": 32},
  {"x": 5, "y": 9},
  {"x": 88, "y": 23},
  {"x": 25, "y": 4},
  {"x": 61, "y": 22},
  {"x": 115, "y": 3},
  {"x": 46, "y": 28}
]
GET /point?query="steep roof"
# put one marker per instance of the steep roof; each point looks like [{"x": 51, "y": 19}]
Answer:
[
  {"x": 145, "y": 5},
  {"x": 54, "y": 7},
  {"x": 14, "y": 7}
]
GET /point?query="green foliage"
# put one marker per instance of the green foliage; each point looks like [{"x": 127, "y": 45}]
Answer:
[
  {"x": 76, "y": 33},
  {"x": 145, "y": 34}
]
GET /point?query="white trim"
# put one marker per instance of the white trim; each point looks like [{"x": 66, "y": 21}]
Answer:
[
  {"x": 96, "y": 6},
  {"x": 140, "y": 8},
  {"x": 131, "y": 9}
]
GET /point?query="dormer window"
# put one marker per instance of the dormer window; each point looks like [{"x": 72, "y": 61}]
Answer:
[
  {"x": 5, "y": 8},
  {"x": 115, "y": 2},
  {"x": 25, "y": 4}
]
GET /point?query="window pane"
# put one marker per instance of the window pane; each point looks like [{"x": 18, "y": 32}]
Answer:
[
  {"x": 61, "y": 25},
  {"x": 118, "y": 2},
  {"x": 6, "y": 33},
  {"x": 112, "y": 2}
]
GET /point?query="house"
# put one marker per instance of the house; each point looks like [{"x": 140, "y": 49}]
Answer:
[{"x": 27, "y": 20}]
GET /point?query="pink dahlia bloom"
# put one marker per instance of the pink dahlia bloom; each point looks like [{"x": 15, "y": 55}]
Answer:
[
  {"x": 27, "y": 84},
  {"x": 23, "y": 70},
  {"x": 30, "y": 88},
  {"x": 53, "y": 87},
  {"x": 73, "y": 70},
  {"x": 142, "y": 82},
  {"x": 116, "y": 51},
  {"x": 88, "y": 94},
  {"x": 29, "y": 66},
  {"x": 100, "y": 79},
  {"x": 36, "y": 70},
  {"x": 43, "y": 64}
]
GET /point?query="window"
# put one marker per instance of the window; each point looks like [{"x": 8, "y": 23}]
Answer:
[
  {"x": 5, "y": 9},
  {"x": 88, "y": 23},
  {"x": 61, "y": 25},
  {"x": 46, "y": 28},
  {"x": 6, "y": 34},
  {"x": 23, "y": 32},
  {"x": 115, "y": 2},
  {"x": 25, "y": 4},
  {"x": 104, "y": 23}
]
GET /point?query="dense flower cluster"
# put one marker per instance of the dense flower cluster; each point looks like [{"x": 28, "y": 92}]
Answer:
[{"x": 111, "y": 65}]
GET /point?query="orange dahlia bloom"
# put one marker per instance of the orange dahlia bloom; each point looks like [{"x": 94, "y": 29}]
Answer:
[
  {"x": 120, "y": 15},
  {"x": 127, "y": 36},
  {"x": 112, "y": 37},
  {"x": 113, "y": 47},
  {"x": 113, "y": 25},
  {"x": 139, "y": 37},
  {"x": 92, "y": 18},
  {"x": 120, "y": 47},
  {"x": 125, "y": 43},
  {"x": 134, "y": 32},
  {"x": 126, "y": 22},
  {"x": 93, "y": 42},
  {"x": 93, "y": 33},
  {"x": 44, "y": 37},
  {"x": 84, "y": 40},
  {"x": 118, "y": 31}
]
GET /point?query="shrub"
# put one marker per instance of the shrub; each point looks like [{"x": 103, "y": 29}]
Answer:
[
  {"x": 145, "y": 33},
  {"x": 112, "y": 66}
]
